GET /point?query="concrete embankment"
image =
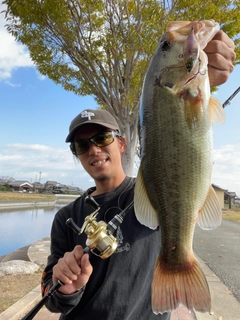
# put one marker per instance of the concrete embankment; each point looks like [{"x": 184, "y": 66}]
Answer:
[
  {"x": 59, "y": 200},
  {"x": 30, "y": 204}
]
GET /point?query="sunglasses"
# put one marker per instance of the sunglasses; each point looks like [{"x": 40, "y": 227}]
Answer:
[{"x": 103, "y": 139}]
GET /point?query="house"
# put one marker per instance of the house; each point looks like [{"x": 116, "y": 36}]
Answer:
[
  {"x": 38, "y": 187},
  {"x": 220, "y": 193},
  {"x": 49, "y": 186},
  {"x": 62, "y": 188},
  {"x": 74, "y": 190},
  {"x": 230, "y": 198},
  {"x": 59, "y": 188},
  {"x": 21, "y": 186}
]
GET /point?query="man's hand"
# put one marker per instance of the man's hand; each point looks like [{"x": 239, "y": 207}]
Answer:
[
  {"x": 74, "y": 270},
  {"x": 221, "y": 55}
]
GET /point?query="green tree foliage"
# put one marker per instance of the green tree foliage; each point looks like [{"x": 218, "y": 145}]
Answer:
[
  {"x": 103, "y": 47},
  {"x": 5, "y": 187}
]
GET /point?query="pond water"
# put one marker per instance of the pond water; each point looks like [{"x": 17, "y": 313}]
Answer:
[{"x": 22, "y": 227}]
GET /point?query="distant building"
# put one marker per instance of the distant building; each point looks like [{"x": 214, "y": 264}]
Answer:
[
  {"x": 230, "y": 198},
  {"x": 73, "y": 190},
  {"x": 62, "y": 188},
  {"x": 225, "y": 196},
  {"x": 59, "y": 188},
  {"x": 49, "y": 185},
  {"x": 21, "y": 186},
  {"x": 220, "y": 193},
  {"x": 38, "y": 187}
]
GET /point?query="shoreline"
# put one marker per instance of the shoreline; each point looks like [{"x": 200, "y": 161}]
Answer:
[
  {"x": 59, "y": 200},
  {"x": 32, "y": 204}
]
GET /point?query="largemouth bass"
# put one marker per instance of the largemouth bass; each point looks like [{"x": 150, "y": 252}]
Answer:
[{"x": 173, "y": 188}]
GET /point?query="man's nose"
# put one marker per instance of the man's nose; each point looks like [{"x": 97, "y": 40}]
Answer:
[{"x": 93, "y": 148}]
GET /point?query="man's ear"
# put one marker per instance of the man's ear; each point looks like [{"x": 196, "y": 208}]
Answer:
[{"x": 123, "y": 144}]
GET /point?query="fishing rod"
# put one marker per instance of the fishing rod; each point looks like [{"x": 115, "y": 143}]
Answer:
[
  {"x": 100, "y": 241},
  {"x": 231, "y": 97}
]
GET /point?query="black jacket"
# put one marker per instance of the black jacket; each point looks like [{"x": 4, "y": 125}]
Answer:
[{"x": 120, "y": 286}]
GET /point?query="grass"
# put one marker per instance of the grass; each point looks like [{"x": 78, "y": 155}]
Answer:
[
  {"x": 233, "y": 215},
  {"x": 18, "y": 196}
]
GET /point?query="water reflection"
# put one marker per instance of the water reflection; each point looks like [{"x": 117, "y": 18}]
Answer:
[{"x": 21, "y": 227}]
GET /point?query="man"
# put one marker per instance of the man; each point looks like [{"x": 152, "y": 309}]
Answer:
[{"x": 117, "y": 288}]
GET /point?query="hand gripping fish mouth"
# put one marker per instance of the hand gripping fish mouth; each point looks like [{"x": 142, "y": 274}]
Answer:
[
  {"x": 182, "y": 47},
  {"x": 173, "y": 187}
]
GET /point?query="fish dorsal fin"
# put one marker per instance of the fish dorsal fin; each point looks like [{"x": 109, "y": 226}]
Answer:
[
  {"x": 210, "y": 216},
  {"x": 217, "y": 113},
  {"x": 144, "y": 210}
]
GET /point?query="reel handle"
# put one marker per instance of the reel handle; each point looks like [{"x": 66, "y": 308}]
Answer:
[
  {"x": 71, "y": 224},
  {"x": 89, "y": 200}
]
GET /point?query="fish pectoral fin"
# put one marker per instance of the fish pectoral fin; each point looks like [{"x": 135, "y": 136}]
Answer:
[
  {"x": 144, "y": 210},
  {"x": 210, "y": 216},
  {"x": 217, "y": 114}
]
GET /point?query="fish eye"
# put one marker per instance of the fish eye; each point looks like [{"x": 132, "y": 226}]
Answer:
[
  {"x": 165, "y": 46},
  {"x": 180, "y": 56}
]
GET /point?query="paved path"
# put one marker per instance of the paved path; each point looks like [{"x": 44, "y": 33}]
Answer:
[
  {"x": 220, "y": 250},
  {"x": 225, "y": 305}
]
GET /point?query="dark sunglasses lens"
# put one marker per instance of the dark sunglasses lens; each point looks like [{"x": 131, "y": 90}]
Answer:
[
  {"x": 103, "y": 139},
  {"x": 81, "y": 146},
  {"x": 99, "y": 140}
]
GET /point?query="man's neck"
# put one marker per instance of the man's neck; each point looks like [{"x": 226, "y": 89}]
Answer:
[{"x": 107, "y": 185}]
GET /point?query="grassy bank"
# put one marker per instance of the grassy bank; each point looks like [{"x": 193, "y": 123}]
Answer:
[
  {"x": 233, "y": 215},
  {"x": 25, "y": 197}
]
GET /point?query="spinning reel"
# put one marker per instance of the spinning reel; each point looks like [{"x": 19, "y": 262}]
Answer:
[{"x": 100, "y": 239}]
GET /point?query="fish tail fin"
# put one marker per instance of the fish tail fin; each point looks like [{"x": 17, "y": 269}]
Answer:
[{"x": 188, "y": 287}]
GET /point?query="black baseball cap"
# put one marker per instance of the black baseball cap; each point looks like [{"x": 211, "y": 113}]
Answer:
[{"x": 89, "y": 116}]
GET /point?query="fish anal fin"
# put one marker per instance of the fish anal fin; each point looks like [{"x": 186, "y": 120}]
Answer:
[
  {"x": 217, "y": 113},
  {"x": 145, "y": 212},
  {"x": 187, "y": 286},
  {"x": 210, "y": 216}
]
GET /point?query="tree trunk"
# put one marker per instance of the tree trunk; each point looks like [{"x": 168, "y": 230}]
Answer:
[
  {"x": 128, "y": 158},
  {"x": 131, "y": 134}
]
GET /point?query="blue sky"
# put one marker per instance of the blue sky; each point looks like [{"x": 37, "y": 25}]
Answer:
[{"x": 35, "y": 114}]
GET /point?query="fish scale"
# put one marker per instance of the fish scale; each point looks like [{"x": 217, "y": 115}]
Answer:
[{"x": 173, "y": 187}]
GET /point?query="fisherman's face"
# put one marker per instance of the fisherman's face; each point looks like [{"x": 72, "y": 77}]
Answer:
[{"x": 101, "y": 163}]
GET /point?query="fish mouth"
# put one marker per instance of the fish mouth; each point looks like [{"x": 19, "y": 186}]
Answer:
[
  {"x": 171, "y": 85},
  {"x": 190, "y": 79}
]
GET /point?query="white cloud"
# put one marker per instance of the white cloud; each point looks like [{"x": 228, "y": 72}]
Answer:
[
  {"x": 22, "y": 161},
  {"x": 226, "y": 168},
  {"x": 12, "y": 54},
  {"x": 25, "y": 161}
]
